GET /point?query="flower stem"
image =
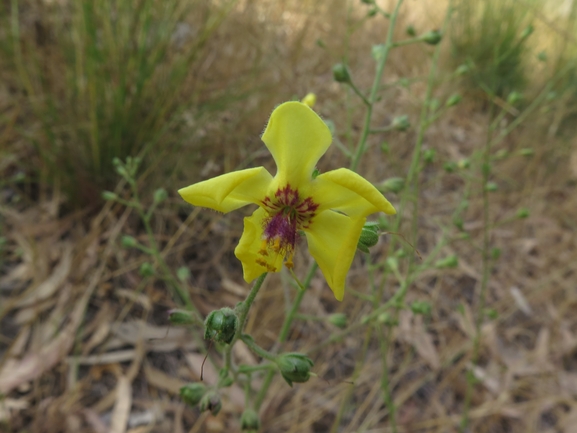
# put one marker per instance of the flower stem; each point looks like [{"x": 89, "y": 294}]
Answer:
[
  {"x": 285, "y": 330},
  {"x": 360, "y": 150}
]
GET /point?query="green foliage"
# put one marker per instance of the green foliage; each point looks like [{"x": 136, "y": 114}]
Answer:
[
  {"x": 112, "y": 80},
  {"x": 494, "y": 36}
]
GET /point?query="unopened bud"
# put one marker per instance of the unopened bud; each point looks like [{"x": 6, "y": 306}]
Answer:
[
  {"x": 447, "y": 262},
  {"x": 523, "y": 213},
  {"x": 464, "y": 163},
  {"x": 453, "y": 100},
  {"x": 220, "y": 325},
  {"x": 160, "y": 195},
  {"x": 463, "y": 69},
  {"x": 393, "y": 184},
  {"x": 527, "y": 31},
  {"x": 491, "y": 187},
  {"x": 341, "y": 73},
  {"x": 378, "y": 51},
  {"x": 421, "y": 307},
  {"x": 181, "y": 317},
  {"x": 108, "y": 195},
  {"x": 429, "y": 155},
  {"x": 146, "y": 270},
  {"x": 128, "y": 241},
  {"x": 527, "y": 152},
  {"x": 410, "y": 30},
  {"x": 401, "y": 123},
  {"x": 211, "y": 402},
  {"x": 338, "y": 319},
  {"x": 249, "y": 421},
  {"x": 514, "y": 97},
  {"x": 183, "y": 274},
  {"x": 393, "y": 263},
  {"x": 369, "y": 236},
  {"x": 294, "y": 367},
  {"x": 192, "y": 393},
  {"x": 432, "y": 37},
  {"x": 310, "y": 99},
  {"x": 542, "y": 56},
  {"x": 450, "y": 166}
]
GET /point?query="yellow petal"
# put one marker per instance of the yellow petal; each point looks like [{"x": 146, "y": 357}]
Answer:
[
  {"x": 249, "y": 245},
  {"x": 296, "y": 137},
  {"x": 350, "y": 193},
  {"x": 229, "y": 191},
  {"x": 332, "y": 240}
]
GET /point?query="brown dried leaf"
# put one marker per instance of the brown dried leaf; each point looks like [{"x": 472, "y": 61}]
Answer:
[
  {"x": 49, "y": 286},
  {"x": 121, "y": 411},
  {"x": 412, "y": 330},
  {"x": 162, "y": 380}
]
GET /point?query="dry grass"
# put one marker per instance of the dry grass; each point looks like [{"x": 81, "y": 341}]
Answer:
[{"x": 84, "y": 340}]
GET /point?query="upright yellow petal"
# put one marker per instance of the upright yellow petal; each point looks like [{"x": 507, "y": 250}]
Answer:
[
  {"x": 249, "y": 245},
  {"x": 229, "y": 191},
  {"x": 297, "y": 138},
  {"x": 350, "y": 193},
  {"x": 332, "y": 240}
]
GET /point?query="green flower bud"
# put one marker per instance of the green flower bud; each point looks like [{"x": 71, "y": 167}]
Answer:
[
  {"x": 429, "y": 155},
  {"x": 220, "y": 325},
  {"x": 385, "y": 148},
  {"x": 249, "y": 421},
  {"x": 160, "y": 195},
  {"x": 450, "y": 166},
  {"x": 401, "y": 123},
  {"x": 387, "y": 319},
  {"x": 491, "y": 313},
  {"x": 542, "y": 56},
  {"x": 368, "y": 2},
  {"x": 410, "y": 30},
  {"x": 294, "y": 367},
  {"x": 527, "y": 31},
  {"x": 128, "y": 242},
  {"x": 211, "y": 402},
  {"x": 501, "y": 154},
  {"x": 372, "y": 12},
  {"x": 181, "y": 317},
  {"x": 523, "y": 213},
  {"x": 495, "y": 253},
  {"x": 192, "y": 393},
  {"x": 432, "y": 37},
  {"x": 108, "y": 195},
  {"x": 464, "y": 163},
  {"x": 421, "y": 307},
  {"x": 393, "y": 184},
  {"x": 378, "y": 51},
  {"x": 447, "y": 262},
  {"x": 527, "y": 152},
  {"x": 321, "y": 43},
  {"x": 453, "y": 100},
  {"x": 183, "y": 274},
  {"x": 514, "y": 97},
  {"x": 463, "y": 69},
  {"x": 341, "y": 73},
  {"x": 369, "y": 236},
  {"x": 392, "y": 263},
  {"x": 146, "y": 270},
  {"x": 338, "y": 319},
  {"x": 459, "y": 223},
  {"x": 491, "y": 187}
]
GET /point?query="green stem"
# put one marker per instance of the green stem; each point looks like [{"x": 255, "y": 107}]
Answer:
[
  {"x": 284, "y": 332},
  {"x": 360, "y": 150},
  {"x": 247, "y": 339}
]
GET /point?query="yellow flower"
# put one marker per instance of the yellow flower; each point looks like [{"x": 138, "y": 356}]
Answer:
[
  {"x": 310, "y": 99},
  {"x": 330, "y": 209}
]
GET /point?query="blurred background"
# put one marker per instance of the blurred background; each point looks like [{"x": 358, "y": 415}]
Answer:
[{"x": 187, "y": 86}]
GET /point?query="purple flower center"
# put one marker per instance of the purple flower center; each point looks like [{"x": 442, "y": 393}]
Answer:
[{"x": 287, "y": 213}]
